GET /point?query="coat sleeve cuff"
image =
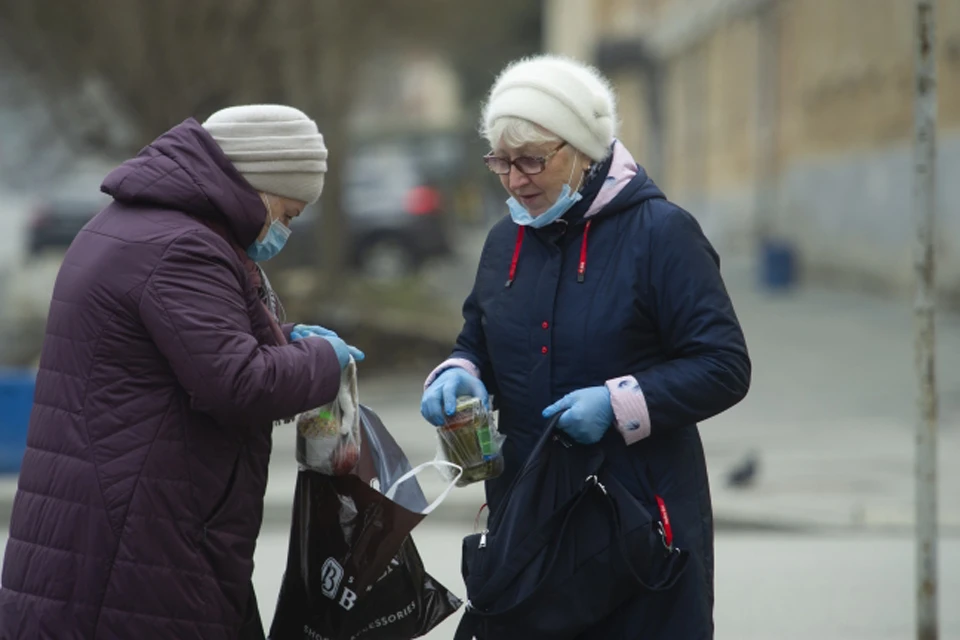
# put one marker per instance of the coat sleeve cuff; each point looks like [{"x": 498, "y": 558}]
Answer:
[
  {"x": 629, "y": 408},
  {"x": 463, "y": 363}
]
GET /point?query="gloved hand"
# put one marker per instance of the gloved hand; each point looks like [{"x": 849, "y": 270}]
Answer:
[
  {"x": 301, "y": 331},
  {"x": 440, "y": 398},
  {"x": 587, "y": 414},
  {"x": 344, "y": 351}
]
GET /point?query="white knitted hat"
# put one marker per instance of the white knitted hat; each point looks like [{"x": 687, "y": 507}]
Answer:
[
  {"x": 566, "y": 97},
  {"x": 277, "y": 149}
]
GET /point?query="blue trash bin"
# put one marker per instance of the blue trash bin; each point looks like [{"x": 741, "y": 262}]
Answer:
[
  {"x": 16, "y": 403},
  {"x": 778, "y": 265}
]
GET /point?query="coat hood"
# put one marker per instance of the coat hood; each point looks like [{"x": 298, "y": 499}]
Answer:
[
  {"x": 635, "y": 192},
  {"x": 185, "y": 170},
  {"x": 626, "y": 185},
  {"x": 623, "y": 188}
]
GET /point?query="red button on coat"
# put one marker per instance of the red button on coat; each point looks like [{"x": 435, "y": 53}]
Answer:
[
  {"x": 544, "y": 350},
  {"x": 545, "y": 325}
]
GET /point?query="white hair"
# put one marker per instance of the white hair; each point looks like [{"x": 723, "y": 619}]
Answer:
[{"x": 513, "y": 133}]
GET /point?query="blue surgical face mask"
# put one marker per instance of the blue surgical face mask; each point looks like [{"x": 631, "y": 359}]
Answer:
[
  {"x": 272, "y": 243},
  {"x": 567, "y": 199},
  {"x": 523, "y": 218}
]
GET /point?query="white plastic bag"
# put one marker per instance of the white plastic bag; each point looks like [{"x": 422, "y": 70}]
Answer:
[
  {"x": 446, "y": 469},
  {"x": 328, "y": 437}
]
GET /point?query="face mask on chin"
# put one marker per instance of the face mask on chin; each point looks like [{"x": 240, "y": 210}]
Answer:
[{"x": 568, "y": 197}]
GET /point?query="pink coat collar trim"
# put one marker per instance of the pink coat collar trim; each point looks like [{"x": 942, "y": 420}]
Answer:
[{"x": 622, "y": 170}]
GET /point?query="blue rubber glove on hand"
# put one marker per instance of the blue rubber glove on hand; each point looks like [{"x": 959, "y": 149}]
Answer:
[
  {"x": 587, "y": 414},
  {"x": 301, "y": 331},
  {"x": 344, "y": 351},
  {"x": 440, "y": 398}
]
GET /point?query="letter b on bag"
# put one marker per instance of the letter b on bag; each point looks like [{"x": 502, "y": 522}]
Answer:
[{"x": 330, "y": 577}]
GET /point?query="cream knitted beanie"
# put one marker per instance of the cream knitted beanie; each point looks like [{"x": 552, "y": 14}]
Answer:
[
  {"x": 278, "y": 149},
  {"x": 568, "y": 98}
]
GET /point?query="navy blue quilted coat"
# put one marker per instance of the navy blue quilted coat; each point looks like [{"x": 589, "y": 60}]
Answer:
[
  {"x": 141, "y": 492},
  {"x": 651, "y": 304}
]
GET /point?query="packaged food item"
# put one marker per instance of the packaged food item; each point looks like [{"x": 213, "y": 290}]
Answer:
[
  {"x": 328, "y": 437},
  {"x": 470, "y": 439}
]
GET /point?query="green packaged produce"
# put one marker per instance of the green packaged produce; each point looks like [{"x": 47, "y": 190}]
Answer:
[{"x": 470, "y": 440}]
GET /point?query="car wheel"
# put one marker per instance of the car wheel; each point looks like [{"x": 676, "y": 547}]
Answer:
[{"x": 387, "y": 259}]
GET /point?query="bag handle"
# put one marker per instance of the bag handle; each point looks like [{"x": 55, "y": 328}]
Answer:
[
  {"x": 545, "y": 533},
  {"x": 409, "y": 475},
  {"x": 550, "y": 432}
]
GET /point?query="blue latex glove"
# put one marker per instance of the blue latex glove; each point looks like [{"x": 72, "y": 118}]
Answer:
[
  {"x": 587, "y": 414},
  {"x": 344, "y": 351},
  {"x": 440, "y": 398},
  {"x": 301, "y": 331}
]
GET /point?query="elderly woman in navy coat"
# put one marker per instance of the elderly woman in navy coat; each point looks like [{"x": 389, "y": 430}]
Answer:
[{"x": 599, "y": 300}]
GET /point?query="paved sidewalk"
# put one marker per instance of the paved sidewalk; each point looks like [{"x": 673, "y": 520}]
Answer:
[{"x": 830, "y": 415}]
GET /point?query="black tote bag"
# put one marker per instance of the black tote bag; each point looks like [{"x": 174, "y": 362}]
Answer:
[
  {"x": 567, "y": 546},
  {"x": 353, "y": 571}
]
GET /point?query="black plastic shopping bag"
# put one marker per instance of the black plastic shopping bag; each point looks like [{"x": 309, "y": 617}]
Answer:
[{"x": 353, "y": 571}]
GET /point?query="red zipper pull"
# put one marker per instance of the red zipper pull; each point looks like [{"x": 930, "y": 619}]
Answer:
[
  {"x": 582, "y": 266},
  {"x": 665, "y": 520},
  {"x": 516, "y": 257},
  {"x": 476, "y": 523}
]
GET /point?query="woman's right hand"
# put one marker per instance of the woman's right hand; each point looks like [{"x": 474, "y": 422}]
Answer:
[
  {"x": 440, "y": 398},
  {"x": 343, "y": 350}
]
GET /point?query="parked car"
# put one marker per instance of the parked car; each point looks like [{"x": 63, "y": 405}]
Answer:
[
  {"x": 394, "y": 219},
  {"x": 55, "y": 223}
]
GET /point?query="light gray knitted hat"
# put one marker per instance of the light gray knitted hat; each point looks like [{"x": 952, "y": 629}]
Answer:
[{"x": 278, "y": 149}]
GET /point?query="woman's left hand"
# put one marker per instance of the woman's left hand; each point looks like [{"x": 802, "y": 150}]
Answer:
[
  {"x": 301, "y": 331},
  {"x": 344, "y": 350},
  {"x": 587, "y": 414}
]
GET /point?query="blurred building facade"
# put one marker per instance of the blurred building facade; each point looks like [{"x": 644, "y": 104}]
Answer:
[
  {"x": 782, "y": 119},
  {"x": 412, "y": 89}
]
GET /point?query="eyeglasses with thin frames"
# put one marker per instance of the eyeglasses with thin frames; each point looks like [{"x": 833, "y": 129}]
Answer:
[{"x": 527, "y": 165}]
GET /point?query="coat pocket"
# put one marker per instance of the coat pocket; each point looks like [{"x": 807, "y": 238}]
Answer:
[{"x": 220, "y": 505}]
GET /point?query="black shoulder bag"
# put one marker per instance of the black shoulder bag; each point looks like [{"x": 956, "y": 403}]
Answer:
[{"x": 567, "y": 546}]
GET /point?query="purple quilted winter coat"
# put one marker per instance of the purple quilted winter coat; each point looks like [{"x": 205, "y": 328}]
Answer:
[{"x": 141, "y": 493}]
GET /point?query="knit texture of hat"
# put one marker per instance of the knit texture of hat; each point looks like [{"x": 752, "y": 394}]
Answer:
[
  {"x": 278, "y": 149},
  {"x": 568, "y": 98}
]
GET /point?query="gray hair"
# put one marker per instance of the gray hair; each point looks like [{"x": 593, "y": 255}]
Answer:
[{"x": 516, "y": 132}]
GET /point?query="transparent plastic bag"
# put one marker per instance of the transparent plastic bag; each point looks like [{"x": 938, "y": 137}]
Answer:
[
  {"x": 328, "y": 437},
  {"x": 470, "y": 440}
]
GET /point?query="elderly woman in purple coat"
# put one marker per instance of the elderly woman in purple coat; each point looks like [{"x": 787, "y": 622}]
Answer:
[{"x": 164, "y": 367}]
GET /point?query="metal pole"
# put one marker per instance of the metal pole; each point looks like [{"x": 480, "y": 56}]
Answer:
[
  {"x": 768, "y": 91},
  {"x": 924, "y": 307}
]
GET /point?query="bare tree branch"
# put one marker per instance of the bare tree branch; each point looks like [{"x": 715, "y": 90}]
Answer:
[{"x": 159, "y": 61}]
